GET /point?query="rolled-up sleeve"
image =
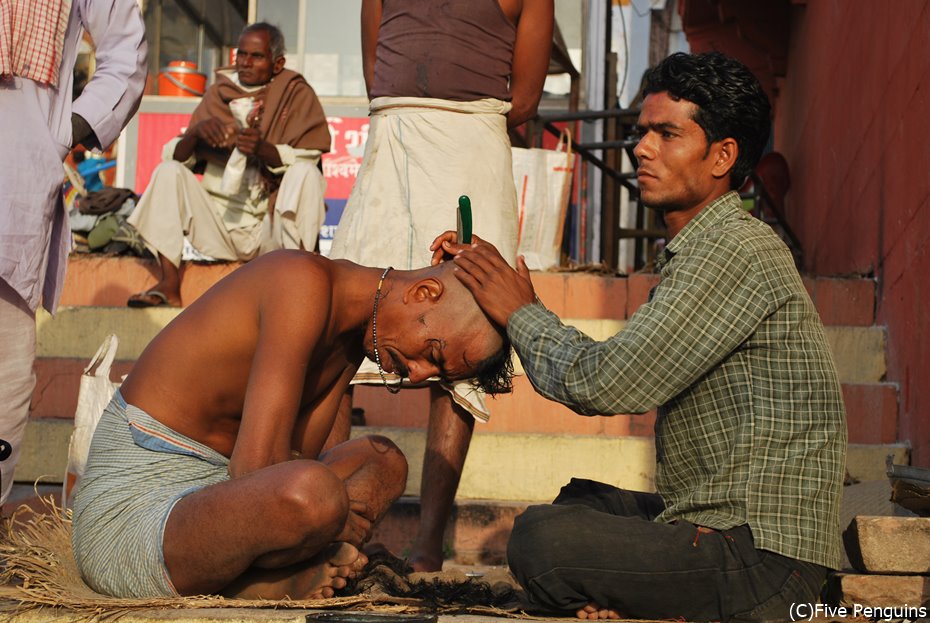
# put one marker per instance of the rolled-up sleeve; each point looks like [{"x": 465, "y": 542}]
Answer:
[{"x": 112, "y": 96}]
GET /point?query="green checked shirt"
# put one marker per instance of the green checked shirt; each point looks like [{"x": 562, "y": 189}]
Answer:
[{"x": 751, "y": 427}]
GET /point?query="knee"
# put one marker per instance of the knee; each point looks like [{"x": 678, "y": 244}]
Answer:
[
  {"x": 529, "y": 551},
  {"x": 171, "y": 168},
  {"x": 313, "y": 497}
]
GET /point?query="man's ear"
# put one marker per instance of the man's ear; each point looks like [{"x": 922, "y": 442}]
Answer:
[
  {"x": 725, "y": 153},
  {"x": 428, "y": 289},
  {"x": 278, "y": 65}
]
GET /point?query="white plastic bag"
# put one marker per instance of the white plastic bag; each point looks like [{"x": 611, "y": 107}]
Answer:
[
  {"x": 543, "y": 178},
  {"x": 94, "y": 395}
]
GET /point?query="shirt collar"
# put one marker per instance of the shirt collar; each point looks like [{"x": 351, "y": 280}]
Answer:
[{"x": 714, "y": 212}]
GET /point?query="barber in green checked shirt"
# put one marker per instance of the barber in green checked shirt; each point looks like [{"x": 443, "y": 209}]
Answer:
[{"x": 751, "y": 429}]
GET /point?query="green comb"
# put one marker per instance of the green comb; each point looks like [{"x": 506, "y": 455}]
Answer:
[{"x": 463, "y": 220}]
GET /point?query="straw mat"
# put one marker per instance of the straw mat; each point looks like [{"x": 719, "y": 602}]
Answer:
[{"x": 37, "y": 570}]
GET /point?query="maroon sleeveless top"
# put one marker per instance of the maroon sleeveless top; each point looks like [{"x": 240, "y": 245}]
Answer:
[{"x": 459, "y": 50}]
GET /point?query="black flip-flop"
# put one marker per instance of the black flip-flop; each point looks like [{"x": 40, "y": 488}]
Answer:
[{"x": 138, "y": 302}]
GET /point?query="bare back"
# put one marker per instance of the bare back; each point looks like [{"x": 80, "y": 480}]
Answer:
[{"x": 253, "y": 368}]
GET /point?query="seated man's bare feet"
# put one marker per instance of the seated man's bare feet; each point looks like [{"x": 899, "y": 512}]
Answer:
[
  {"x": 342, "y": 561},
  {"x": 318, "y": 578},
  {"x": 592, "y": 612}
]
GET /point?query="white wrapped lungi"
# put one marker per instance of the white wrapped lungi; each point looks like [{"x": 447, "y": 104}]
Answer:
[{"x": 421, "y": 155}]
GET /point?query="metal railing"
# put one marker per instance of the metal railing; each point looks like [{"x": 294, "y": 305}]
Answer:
[{"x": 648, "y": 227}]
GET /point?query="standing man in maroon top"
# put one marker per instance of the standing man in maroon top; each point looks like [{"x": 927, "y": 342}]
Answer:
[{"x": 446, "y": 81}]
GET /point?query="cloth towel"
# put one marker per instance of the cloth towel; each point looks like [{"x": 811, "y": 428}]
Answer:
[{"x": 32, "y": 38}]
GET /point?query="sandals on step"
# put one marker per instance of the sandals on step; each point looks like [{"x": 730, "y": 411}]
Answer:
[{"x": 139, "y": 300}]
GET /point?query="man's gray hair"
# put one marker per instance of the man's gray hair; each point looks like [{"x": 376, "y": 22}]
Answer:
[{"x": 275, "y": 38}]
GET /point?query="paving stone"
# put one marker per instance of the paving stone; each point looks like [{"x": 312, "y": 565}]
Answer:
[
  {"x": 889, "y": 544},
  {"x": 885, "y": 591}
]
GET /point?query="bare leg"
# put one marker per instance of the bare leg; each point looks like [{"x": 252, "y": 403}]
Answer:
[
  {"x": 169, "y": 285},
  {"x": 592, "y": 612},
  {"x": 319, "y": 577},
  {"x": 342, "y": 425},
  {"x": 269, "y": 533},
  {"x": 447, "y": 441}
]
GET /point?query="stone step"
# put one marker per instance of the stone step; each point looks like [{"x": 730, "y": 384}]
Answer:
[
  {"x": 520, "y": 467},
  {"x": 68, "y": 341},
  {"x": 897, "y": 597},
  {"x": 889, "y": 545},
  {"x": 103, "y": 281}
]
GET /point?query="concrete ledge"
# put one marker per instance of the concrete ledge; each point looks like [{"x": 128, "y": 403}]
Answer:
[
  {"x": 881, "y": 591},
  {"x": 892, "y": 545},
  {"x": 500, "y": 466},
  {"x": 78, "y": 331}
]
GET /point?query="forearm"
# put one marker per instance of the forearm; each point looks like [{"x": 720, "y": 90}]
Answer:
[
  {"x": 588, "y": 376},
  {"x": 185, "y": 147},
  {"x": 111, "y": 97}
]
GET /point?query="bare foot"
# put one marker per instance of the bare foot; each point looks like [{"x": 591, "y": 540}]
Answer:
[
  {"x": 342, "y": 561},
  {"x": 317, "y": 578},
  {"x": 592, "y": 612},
  {"x": 156, "y": 296},
  {"x": 424, "y": 562}
]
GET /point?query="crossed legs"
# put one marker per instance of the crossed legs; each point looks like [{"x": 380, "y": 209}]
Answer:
[
  {"x": 291, "y": 529},
  {"x": 597, "y": 551}
]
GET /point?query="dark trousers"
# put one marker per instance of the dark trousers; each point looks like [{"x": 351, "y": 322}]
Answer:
[{"x": 596, "y": 543}]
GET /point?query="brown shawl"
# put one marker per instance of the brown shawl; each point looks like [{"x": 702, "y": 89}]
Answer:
[{"x": 290, "y": 114}]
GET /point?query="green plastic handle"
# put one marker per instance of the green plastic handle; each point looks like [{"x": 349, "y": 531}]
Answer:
[{"x": 463, "y": 220}]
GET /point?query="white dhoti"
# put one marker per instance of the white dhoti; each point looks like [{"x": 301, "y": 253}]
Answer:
[
  {"x": 177, "y": 205},
  {"x": 421, "y": 155}
]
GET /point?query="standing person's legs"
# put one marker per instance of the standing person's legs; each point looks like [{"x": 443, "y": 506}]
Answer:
[
  {"x": 447, "y": 440},
  {"x": 17, "y": 379},
  {"x": 600, "y": 546}
]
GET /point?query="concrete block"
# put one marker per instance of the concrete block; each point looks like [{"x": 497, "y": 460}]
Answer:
[
  {"x": 859, "y": 353},
  {"x": 845, "y": 301},
  {"x": 104, "y": 281},
  {"x": 866, "y": 462},
  {"x": 871, "y": 412},
  {"x": 904, "y": 594},
  {"x": 57, "y": 382},
  {"x": 45, "y": 451},
  {"x": 889, "y": 544},
  {"x": 78, "y": 331},
  {"x": 638, "y": 290},
  {"x": 532, "y": 468}
]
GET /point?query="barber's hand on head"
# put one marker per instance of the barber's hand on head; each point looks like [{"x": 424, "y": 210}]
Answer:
[{"x": 498, "y": 289}]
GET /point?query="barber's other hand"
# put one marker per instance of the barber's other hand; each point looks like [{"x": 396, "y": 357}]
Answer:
[
  {"x": 438, "y": 247},
  {"x": 498, "y": 289},
  {"x": 215, "y": 133}
]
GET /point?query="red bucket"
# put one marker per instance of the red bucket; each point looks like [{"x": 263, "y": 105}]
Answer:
[{"x": 181, "y": 79}]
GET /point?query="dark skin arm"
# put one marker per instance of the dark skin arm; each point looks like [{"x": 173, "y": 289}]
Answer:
[
  {"x": 499, "y": 289},
  {"x": 216, "y": 135},
  {"x": 531, "y": 52},
  {"x": 371, "y": 24}
]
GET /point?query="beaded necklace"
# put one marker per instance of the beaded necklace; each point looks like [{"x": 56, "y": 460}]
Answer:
[{"x": 374, "y": 334}]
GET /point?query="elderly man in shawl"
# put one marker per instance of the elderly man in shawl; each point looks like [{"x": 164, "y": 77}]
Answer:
[{"x": 257, "y": 137}]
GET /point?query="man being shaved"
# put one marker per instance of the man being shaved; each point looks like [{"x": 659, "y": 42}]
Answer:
[{"x": 209, "y": 471}]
